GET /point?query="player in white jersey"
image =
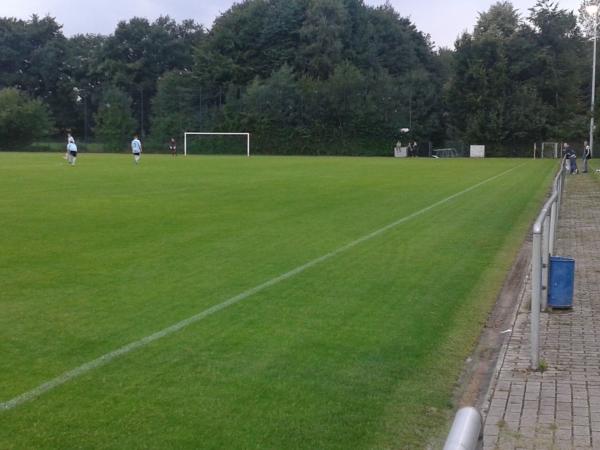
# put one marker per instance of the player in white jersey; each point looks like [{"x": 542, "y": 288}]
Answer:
[
  {"x": 70, "y": 140},
  {"x": 136, "y": 148},
  {"x": 72, "y": 151}
]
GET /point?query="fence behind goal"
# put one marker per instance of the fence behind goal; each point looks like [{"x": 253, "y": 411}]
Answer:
[
  {"x": 546, "y": 150},
  {"x": 200, "y": 142}
]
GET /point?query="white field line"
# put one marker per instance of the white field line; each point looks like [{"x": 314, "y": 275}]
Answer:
[{"x": 108, "y": 357}]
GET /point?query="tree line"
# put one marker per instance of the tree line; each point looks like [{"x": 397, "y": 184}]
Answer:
[{"x": 303, "y": 76}]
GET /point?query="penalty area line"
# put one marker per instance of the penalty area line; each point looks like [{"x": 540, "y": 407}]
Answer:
[{"x": 108, "y": 357}]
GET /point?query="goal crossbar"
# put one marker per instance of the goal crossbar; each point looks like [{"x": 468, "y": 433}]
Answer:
[{"x": 205, "y": 133}]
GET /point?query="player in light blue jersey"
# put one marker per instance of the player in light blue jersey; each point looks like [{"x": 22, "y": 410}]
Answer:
[
  {"x": 70, "y": 140},
  {"x": 72, "y": 150},
  {"x": 136, "y": 148}
]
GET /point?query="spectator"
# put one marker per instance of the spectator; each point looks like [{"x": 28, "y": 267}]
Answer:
[{"x": 587, "y": 154}]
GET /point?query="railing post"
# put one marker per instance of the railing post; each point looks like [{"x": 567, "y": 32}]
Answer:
[
  {"x": 536, "y": 287},
  {"x": 553, "y": 220},
  {"x": 545, "y": 261}
]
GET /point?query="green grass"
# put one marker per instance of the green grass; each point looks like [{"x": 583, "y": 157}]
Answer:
[{"x": 360, "y": 351}]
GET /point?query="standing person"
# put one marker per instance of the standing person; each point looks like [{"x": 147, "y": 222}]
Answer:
[
  {"x": 70, "y": 140},
  {"x": 409, "y": 149},
  {"x": 415, "y": 147},
  {"x": 72, "y": 151},
  {"x": 173, "y": 147},
  {"x": 136, "y": 148},
  {"x": 573, "y": 159},
  {"x": 587, "y": 154},
  {"x": 398, "y": 149},
  {"x": 567, "y": 155}
]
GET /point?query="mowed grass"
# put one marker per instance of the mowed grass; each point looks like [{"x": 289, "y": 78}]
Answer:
[{"x": 362, "y": 350}]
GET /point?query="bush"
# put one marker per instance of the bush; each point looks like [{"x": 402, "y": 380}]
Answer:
[{"x": 22, "y": 119}]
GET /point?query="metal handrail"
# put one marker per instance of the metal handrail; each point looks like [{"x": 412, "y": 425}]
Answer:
[
  {"x": 465, "y": 430},
  {"x": 544, "y": 237}
]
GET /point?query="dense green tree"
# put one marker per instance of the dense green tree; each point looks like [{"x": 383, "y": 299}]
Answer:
[
  {"x": 82, "y": 83},
  {"x": 515, "y": 81},
  {"x": 30, "y": 54},
  {"x": 303, "y": 75},
  {"x": 114, "y": 122},
  {"x": 501, "y": 20},
  {"x": 22, "y": 119},
  {"x": 561, "y": 69},
  {"x": 176, "y": 107},
  {"x": 32, "y": 59},
  {"x": 139, "y": 52},
  {"x": 322, "y": 37},
  {"x": 345, "y": 66}
]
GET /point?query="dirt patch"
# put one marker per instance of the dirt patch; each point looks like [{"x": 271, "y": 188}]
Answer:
[{"x": 479, "y": 369}]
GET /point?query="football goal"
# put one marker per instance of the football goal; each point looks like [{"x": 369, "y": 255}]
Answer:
[
  {"x": 550, "y": 150},
  {"x": 221, "y": 145}
]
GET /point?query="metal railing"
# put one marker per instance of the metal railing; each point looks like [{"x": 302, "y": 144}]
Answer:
[
  {"x": 464, "y": 434},
  {"x": 466, "y": 428},
  {"x": 544, "y": 235}
]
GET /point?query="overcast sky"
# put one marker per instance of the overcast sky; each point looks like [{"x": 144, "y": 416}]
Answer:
[{"x": 444, "y": 20}]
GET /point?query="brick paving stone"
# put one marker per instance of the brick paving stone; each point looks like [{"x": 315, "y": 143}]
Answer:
[
  {"x": 561, "y": 434},
  {"x": 581, "y": 420},
  {"x": 560, "y": 408}
]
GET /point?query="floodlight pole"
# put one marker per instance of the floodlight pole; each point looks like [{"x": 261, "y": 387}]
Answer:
[
  {"x": 85, "y": 118},
  {"x": 593, "y": 9},
  {"x": 142, "y": 111}
]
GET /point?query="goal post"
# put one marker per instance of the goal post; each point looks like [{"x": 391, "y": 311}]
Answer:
[
  {"x": 550, "y": 150},
  {"x": 204, "y": 133}
]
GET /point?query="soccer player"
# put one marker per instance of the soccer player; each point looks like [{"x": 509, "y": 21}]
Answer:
[
  {"x": 70, "y": 140},
  {"x": 173, "y": 147},
  {"x": 72, "y": 151},
  {"x": 136, "y": 148}
]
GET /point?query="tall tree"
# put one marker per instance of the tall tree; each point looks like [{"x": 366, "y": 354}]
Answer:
[
  {"x": 176, "y": 107},
  {"x": 114, "y": 122},
  {"x": 82, "y": 83},
  {"x": 561, "y": 75},
  {"x": 322, "y": 37},
  {"x": 139, "y": 52},
  {"x": 32, "y": 59},
  {"x": 517, "y": 82}
]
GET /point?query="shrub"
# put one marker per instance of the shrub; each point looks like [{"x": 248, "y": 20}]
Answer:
[{"x": 22, "y": 119}]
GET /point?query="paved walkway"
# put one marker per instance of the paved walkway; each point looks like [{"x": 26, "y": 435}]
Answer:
[{"x": 559, "y": 408}]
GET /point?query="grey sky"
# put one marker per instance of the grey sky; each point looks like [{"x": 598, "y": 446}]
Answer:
[{"x": 444, "y": 20}]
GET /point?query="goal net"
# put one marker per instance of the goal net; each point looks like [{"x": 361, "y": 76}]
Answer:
[
  {"x": 209, "y": 143},
  {"x": 549, "y": 150}
]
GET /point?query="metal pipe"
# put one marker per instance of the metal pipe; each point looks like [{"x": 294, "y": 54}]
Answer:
[
  {"x": 536, "y": 288},
  {"x": 553, "y": 219},
  {"x": 593, "y": 83},
  {"x": 465, "y": 430},
  {"x": 545, "y": 261}
]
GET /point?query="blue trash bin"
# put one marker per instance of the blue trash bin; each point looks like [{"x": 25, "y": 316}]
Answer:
[{"x": 561, "y": 279}]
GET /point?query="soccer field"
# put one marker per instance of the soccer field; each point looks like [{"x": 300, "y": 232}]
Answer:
[{"x": 332, "y": 301}]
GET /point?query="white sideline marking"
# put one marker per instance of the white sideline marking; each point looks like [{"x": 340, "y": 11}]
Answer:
[{"x": 108, "y": 357}]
